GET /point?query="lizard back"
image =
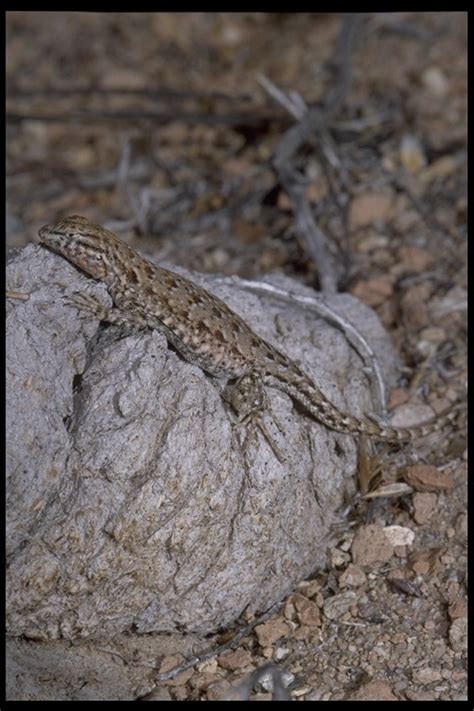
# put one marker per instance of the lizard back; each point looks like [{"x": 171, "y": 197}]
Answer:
[{"x": 200, "y": 325}]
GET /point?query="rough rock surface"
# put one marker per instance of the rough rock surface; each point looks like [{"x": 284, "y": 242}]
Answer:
[{"x": 133, "y": 506}]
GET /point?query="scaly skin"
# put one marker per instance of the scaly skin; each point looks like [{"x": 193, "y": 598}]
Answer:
[{"x": 201, "y": 327}]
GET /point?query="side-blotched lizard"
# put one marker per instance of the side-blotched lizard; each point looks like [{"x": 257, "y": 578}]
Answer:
[{"x": 202, "y": 328}]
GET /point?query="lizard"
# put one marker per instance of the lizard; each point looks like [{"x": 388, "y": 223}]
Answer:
[{"x": 202, "y": 328}]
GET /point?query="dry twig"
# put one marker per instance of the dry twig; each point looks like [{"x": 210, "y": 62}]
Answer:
[
  {"x": 314, "y": 121},
  {"x": 257, "y": 119},
  {"x": 231, "y": 644}
]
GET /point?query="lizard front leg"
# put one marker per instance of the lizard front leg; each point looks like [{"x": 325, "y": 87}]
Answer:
[{"x": 90, "y": 306}]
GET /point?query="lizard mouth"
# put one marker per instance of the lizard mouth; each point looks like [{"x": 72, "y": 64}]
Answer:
[
  {"x": 52, "y": 240},
  {"x": 45, "y": 233}
]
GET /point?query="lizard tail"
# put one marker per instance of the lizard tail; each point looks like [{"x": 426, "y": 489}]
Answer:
[{"x": 304, "y": 392}]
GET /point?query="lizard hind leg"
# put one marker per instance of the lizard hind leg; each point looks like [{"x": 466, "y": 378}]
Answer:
[
  {"x": 248, "y": 399},
  {"x": 246, "y": 396}
]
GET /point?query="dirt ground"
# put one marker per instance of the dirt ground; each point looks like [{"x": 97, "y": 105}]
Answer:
[{"x": 160, "y": 126}]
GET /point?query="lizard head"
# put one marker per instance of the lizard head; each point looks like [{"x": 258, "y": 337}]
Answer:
[{"x": 89, "y": 247}]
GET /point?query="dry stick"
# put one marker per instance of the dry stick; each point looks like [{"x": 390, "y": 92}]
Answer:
[
  {"x": 296, "y": 107},
  {"x": 172, "y": 673},
  {"x": 358, "y": 125},
  {"x": 106, "y": 179},
  {"x": 123, "y": 186},
  {"x": 158, "y": 93},
  {"x": 314, "y": 238},
  {"x": 313, "y": 121},
  {"x": 21, "y": 296},
  {"x": 338, "y": 189},
  {"x": 256, "y": 118},
  {"x": 341, "y": 62},
  {"x": 391, "y": 22}
]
